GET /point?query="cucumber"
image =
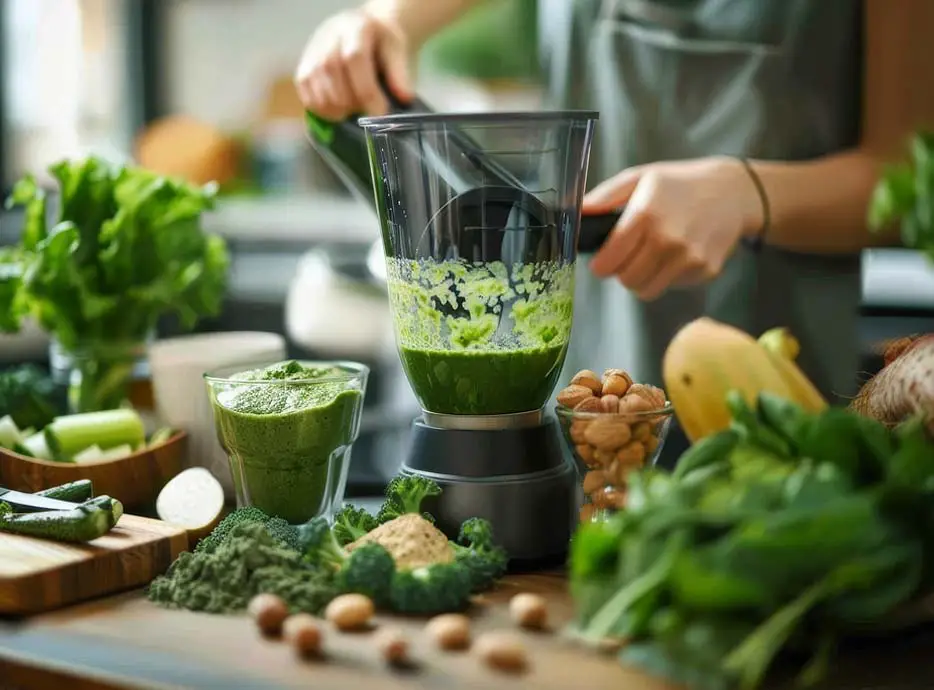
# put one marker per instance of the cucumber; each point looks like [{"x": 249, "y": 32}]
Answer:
[
  {"x": 10, "y": 434},
  {"x": 76, "y": 492},
  {"x": 83, "y": 523}
]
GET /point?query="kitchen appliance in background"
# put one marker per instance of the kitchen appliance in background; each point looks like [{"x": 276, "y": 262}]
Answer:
[{"x": 178, "y": 366}]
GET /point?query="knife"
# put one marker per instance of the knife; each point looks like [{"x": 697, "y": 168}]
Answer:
[{"x": 31, "y": 503}]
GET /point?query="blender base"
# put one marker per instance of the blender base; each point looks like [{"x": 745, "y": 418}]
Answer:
[{"x": 522, "y": 480}]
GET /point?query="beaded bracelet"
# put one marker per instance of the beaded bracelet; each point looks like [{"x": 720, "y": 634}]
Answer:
[{"x": 755, "y": 242}]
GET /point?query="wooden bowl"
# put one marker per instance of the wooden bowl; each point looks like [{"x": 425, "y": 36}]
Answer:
[{"x": 134, "y": 480}]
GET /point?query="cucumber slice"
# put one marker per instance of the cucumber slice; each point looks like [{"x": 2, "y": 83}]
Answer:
[{"x": 10, "y": 434}]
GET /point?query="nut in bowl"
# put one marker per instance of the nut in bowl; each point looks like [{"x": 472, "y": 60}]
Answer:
[{"x": 614, "y": 427}]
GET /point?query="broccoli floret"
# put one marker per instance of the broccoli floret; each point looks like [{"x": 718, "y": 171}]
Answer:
[
  {"x": 368, "y": 570},
  {"x": 277, "y": 527},
  {"x": 439, "y": 588},
  {"x": 317, "y": 543},
  {"x": 283, "y": 531},
  {"x": 352, "y": 523},
  {"x": 476, "y": 551},
  {"x": 405, "y": 495},
  {"x": 5, "y": 509}
]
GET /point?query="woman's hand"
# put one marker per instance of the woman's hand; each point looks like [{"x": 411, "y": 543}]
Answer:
[
  {"x": 338, "y": 72},
  {"x": 682, "y": 221}
]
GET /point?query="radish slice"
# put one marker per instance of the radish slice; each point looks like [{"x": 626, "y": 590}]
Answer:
[{"x": 193, "y": 500}]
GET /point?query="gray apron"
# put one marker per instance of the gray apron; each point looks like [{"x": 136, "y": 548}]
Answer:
[{"x": 673, "y": 79}]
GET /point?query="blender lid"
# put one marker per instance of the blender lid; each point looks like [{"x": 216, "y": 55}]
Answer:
[{"x": 416, "y": 119}]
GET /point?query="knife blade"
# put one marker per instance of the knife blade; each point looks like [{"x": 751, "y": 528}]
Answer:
[{"x": 31, "y": 503}]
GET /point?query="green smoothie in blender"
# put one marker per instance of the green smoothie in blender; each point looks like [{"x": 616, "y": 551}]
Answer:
[{"x": 480, "y": 338}]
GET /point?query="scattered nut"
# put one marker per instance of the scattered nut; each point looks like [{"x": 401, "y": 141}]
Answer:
[
  {"x": 529, "y": 611},
  {"x": 591, "y": 404},
  {"x": 585, "y": 453},
  {"x": 572, "y": 395},
  {"x": 593, "y": 480},
  {"x": 635, "y": 404},
  {"x": 393, "y": 644},
  {"x": 589, "y": 380},
  {"x": 576, "y": 432},
  {"x": 269, "y": 612},
  {"x": 616, "y": 382},
  {"x": 641, "y": 431},
  {"x": 607, "y": 433},
  {"x": 350, "y": 611},
  {"x": 449, "y": 631},
  {"x": 301, "y": 630},
  {"x": 609, "y": 403},
  {"x": 502, "y": 651}
]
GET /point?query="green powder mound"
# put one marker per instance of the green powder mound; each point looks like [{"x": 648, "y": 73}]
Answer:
[{"x": 248, "y": 561}]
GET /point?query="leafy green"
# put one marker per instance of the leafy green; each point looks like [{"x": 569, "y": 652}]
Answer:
[
  {"x": 905, "y": 195},
  {"x": 126, "y": 249},
  {"x": 789, "y": 529},
  {"x": 28, "y": 395}
]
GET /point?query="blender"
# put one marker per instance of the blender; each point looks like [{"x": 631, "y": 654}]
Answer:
[{"x": 480, "y": 220}]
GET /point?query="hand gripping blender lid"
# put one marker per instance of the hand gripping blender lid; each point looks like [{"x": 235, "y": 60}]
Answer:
[{"x": 479, "y": 215}]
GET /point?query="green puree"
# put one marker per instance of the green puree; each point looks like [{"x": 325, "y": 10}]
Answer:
[
  {"x": 492, "y": 382},
  {"x": 283, "y": 437},
  {"x": 481, "y": 338}
]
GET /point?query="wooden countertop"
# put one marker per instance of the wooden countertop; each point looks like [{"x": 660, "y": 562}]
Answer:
[{"x": 125, "y": 642}]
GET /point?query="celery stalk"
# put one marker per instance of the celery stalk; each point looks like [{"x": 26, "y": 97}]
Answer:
[
  {"x": 71, "y": 434},
  {"x": 9, "y": 432}
]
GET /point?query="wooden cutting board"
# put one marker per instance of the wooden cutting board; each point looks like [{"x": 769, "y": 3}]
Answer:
[{"x": 40, "y": 575}]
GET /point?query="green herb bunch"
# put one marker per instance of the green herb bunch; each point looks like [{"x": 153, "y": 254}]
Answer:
[
  {"x": 905, "y": 195},
  {"x": 126, "y": 249},
  {"x": 788, "y": 530}
]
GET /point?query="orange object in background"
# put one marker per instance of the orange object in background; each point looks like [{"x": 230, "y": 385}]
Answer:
[{"x": 181, "y": 146}]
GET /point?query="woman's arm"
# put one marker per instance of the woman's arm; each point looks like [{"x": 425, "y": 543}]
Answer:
[
  {"x": 820, "y": 205},
  {"x": 420, "y": 19}
]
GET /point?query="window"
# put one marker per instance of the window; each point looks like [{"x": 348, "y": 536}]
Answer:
[{"x": 73, "y": 80}]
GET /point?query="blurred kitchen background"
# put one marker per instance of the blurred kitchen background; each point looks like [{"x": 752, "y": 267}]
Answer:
[{"x": 202, "y": 88}]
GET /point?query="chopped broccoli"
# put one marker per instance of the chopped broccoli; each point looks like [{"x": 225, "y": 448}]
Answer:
[
  {"x": 368, "y": 570},
  {"x": 352, "y": 523},
  {"x": 477, "y": 552},
  {"x": 5, "y": 509},
  {"x": 277, "y": 527},
  {"x": 405, "y": 494},
  {"x": 365, "y": 570},
  {"x": 438, "y": 588}
]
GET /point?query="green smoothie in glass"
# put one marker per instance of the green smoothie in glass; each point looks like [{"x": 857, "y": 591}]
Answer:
[{"x": 287, "y": 429}]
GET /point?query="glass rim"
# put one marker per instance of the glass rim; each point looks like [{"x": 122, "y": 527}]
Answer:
[
  {"x": 665, "y": 411},
  {"x": 352, "y": 371},
  {"x": 516, "y": 118}
]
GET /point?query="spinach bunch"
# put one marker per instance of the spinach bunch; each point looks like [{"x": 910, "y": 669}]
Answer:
[
  {"x": 788, "y": 530},
  {"x": 905, "y": 194},
  {"x": 126, "y": 249}
]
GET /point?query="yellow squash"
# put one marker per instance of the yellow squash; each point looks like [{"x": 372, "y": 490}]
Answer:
[
  {"x": 706, "y": 359},
  {"x": 783, "y": 349}
]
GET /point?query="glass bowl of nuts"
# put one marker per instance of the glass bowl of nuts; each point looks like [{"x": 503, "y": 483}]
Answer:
[{"x": 614, "y": 427}]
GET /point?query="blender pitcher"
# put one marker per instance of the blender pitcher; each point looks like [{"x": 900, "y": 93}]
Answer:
[{"x": 480, "y": 217}]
